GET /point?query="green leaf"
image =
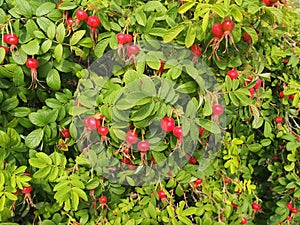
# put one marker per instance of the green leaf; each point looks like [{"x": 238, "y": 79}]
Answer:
[
  {"x": 185, "y": 220},
  {"x": 277, "y": 13},
  {"x": 53, "y": 79},
  {"x": 185, "y": 7},
  {"x": 152, "y": 210},
  {"x": 100, "y": 48},
  {"x": 190, "y": 36},
  {"x": 173, "y": 33},
  {"x": 58, "y": 52},
  {"x": 46, "y": 46},
  {"x": 77, "y": 36},
  {"x": 218, "y": 9},
  {"x": 2, "y": 55},
  {"x": 205, "y": 21},
  {"x": 189, "y": 211},
  {"x": 255, "y": 147},
  {"x": 44, "y": 23},
  {"x": 141, "y": 18},
  {"x": 51, "y": 30},
  {"x": 252, "y": 33},
  {"x": 210, "y": 126},
  {"x": 60, "y": 33},
  {"x": 45, "y": 8},
  {"x": 34, "y": 138},
  {"x": 42, "y": 173},
  {"x": 37, "y": 163},
  {"x": 236, "y": 13},
  {"x": 75, "y": 200},
  {"x": 31, "y": 48},
  {"x": 289, "y": 167},
  {"x": 19, "y": 56},
  {"x": 4, "y": 139},
  {"x": 24, "y": 8}
]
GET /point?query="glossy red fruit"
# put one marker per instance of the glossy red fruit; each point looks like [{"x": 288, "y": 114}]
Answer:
[
  {"x": 5, "y": 48},
  {"x": 121, "y": 38},
  {"x": 281, "y": 94},
  {"x": 257, "y": 84},
  {"x": 268, "y": 2},
  {"x": 32, "y": 63},
  {"x": 126, "y": 160},
  {"x": 129, "y": 38},
  {"x": 131, "y": 137},
  {"x": 132, "y": 50},
  {"x": 65, "y": 133},
  {"x": 244, "y": 220},
  {"x": 143, "y": 146},
  {"x": 102, "y": 199},
  {"x": 228, "y": 25},
  {"x": 217, "y": 109},
  {"x": 252, "y": 91},
  {"x": 289, "y": 205},
  {"x": 295, "y": 210},
  {"x": 70, "y": 21},
  {"x": 198, "y": 182},
  {"x": 196, "y": 50},
  {"x": 131, "y": 166},
  {"x": 278, "y": 119},
  {"x": 81, "y": 15},
  {"x": 177, "y": 131},
  {"x": 91, "y": 123},
  {"x": 288, "y": 217},
  {"x": 247, "y": 38},
  {"x": 275, "y": 158},
  {"x": 227, "y": 180},
  {"x": 26, "y": 190},
  {"x": 193, "y": 160},
  {"x": 103, "y": 130},
  {"x": 13, "y": 40},
  {"x": 7, "y": 36},
  {"x": 255, "y": 206},
  {"x": 233, "y": 74},
  {"x": 235, "y": 206},
  {"x": 201, "y": 130},
  {"x": 217, "y": 30},
  {"x": 161, "y": 194},
  {"x": 167, "y": 124},
  {"x": 93, "y": 21}
]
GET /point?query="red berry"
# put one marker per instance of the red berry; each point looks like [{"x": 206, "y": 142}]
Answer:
[
  {"x": 26, "y": 190},
  {"x": 275, "y": 158},
  {"x": 193, "y": 160},
  {"x": 13, "y": 40},
  {"x": 103, "y": 130},
  {"x": 32, "y": 63},
  {"x": 167, "y": 124},
  {"x": 91, "y": 123},
  {"x": 228, "y": 25},
  {"x": 255, "y": 206},
  {"x": 121, "y": 39},
  {"x": 198, "y": 182},
  {"x": 235, "y": 206},
  {"x": 201, "y": 130},
  {"x": 131, "y": 137},
  {"x": 81, "y": 15},
  {"x": 93, "y": 21},
  {"x": 257, "y": 84},
  {"x": 233, "y": 74},
  {"x": 128, "y": 38},
  {"x": 227, "y": 180},
  {"x": 252, "y": 91},
  {"x": 177, "y": 131},
  {"x": 102, "y": 200},
  {"x": 5, "y": 48},
  {"x": 131, "y": 166},
  {"x": 288, "y": 217},
  {"x": 247, "y": 38},
  {"x": 217, "y": 30},
  {"x": 217, "y": 109},
  {"x": 65, "y": 133},
  {"x": 244, "y": 220},
  {"x": 132, "y": 50},
  {"x": 7, "y": 36},
  {"x": 196, "y": 50},
  {"x": 126, "y": 160},
  {"x": 289, "y": 205},
  {"x": 70, "y": 21},
  {"x": 161, "y": 194},
  {"x": 295, "y": 210},
  {"x": 143, "y": 146},
  {"x": 278, "y": 119},
  {"x": 267, "y": 2},
  {"x": 281, "y": 94}
]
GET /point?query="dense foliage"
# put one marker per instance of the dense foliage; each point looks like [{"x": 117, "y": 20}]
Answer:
[{"x": 149, "y": 112}]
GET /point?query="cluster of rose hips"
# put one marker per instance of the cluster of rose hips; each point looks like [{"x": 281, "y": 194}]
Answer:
[{"x": 82, "y": 16}]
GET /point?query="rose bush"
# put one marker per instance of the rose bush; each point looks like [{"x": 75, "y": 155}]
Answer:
[{"x": 78, "y": 132}]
